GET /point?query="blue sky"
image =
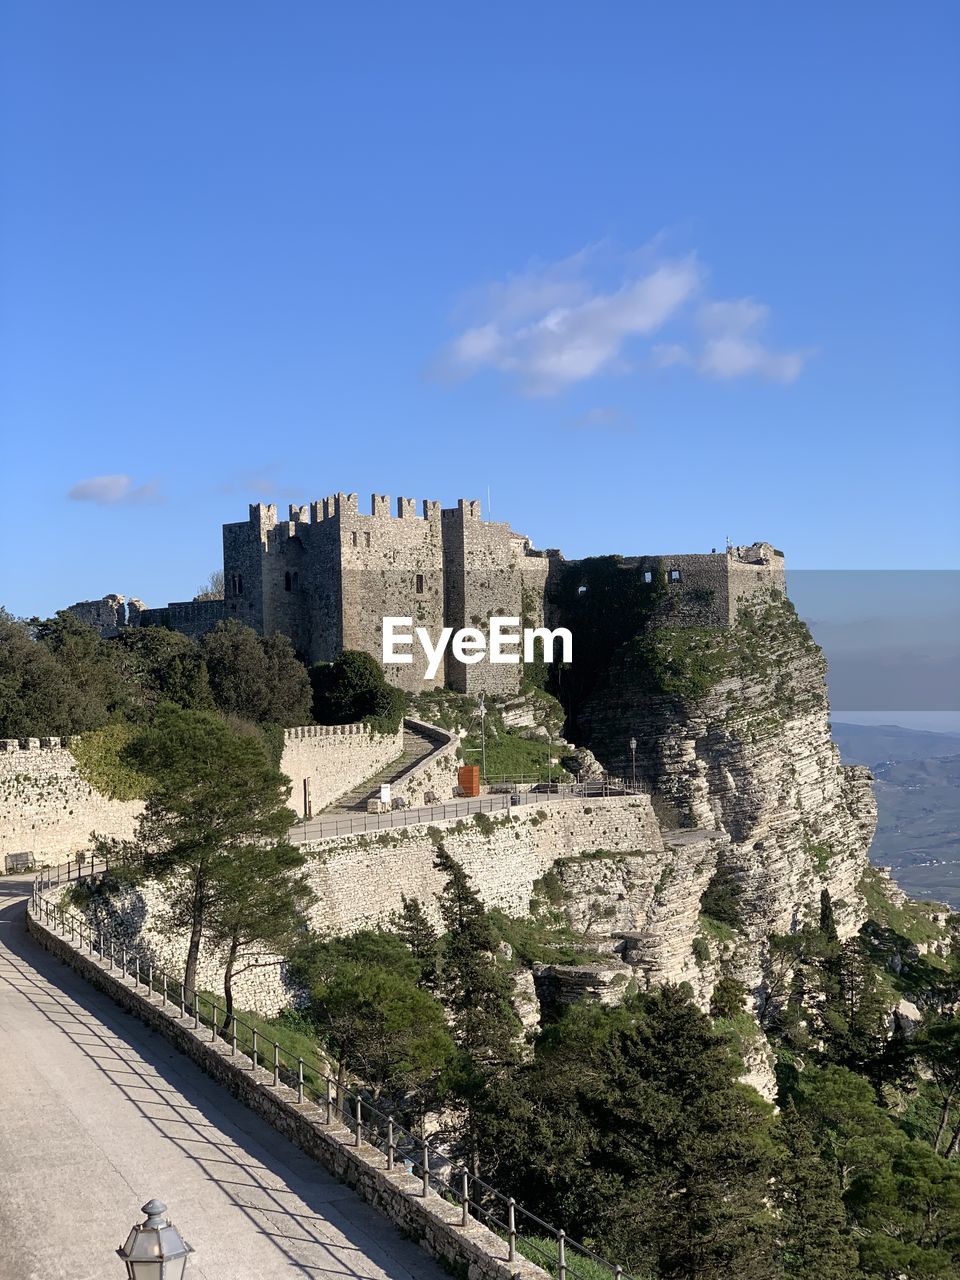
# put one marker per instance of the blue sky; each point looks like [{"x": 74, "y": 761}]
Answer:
[{"x": 652, "y": 274}]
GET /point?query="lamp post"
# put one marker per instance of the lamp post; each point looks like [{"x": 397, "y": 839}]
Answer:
[
  {"x": 155, "y": 1249},
  {"x": 633, "y": 761}
]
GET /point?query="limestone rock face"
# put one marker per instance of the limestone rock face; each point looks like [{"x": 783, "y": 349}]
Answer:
[{"x": 733, "y": 733}]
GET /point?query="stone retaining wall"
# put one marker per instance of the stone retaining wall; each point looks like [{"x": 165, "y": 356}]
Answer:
[
  {"x": 360, "y": 879},
  {"x": 49, "y": 810},
  {"x": 335, "y": 758},
  {"x": 472, "y": 1251}
]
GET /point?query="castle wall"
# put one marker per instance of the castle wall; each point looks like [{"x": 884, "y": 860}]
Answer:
[
  {"x": 334, "y": 758},
  {"x": 49, "y": 810},
  {"x": 482, "y": 563},
  {"x": 360, "y": 880},
  {"x": 46, "y": 808},
  {"x": 244, "y": 549},
  {"x": 192, "y": 618},
  {"x": 392, "y": 566}
]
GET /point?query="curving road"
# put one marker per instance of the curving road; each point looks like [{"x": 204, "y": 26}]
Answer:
[{"x": 98, "y": 1114}]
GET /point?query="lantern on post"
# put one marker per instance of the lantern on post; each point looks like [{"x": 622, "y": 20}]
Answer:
[{"x": 155, "y": 1249}]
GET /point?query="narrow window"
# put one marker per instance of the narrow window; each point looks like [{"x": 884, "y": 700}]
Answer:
[
  {"x": 354, "y": 539},
  {"x": 419, "y": 584},
  {"x": 674, "y": 575},
  {"x": 648, "y": 575},
  {"x": 366, "y": 539},
  {"x": 287, "y": 582}
]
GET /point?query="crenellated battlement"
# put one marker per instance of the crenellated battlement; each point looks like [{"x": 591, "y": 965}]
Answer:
[
  {"x": 355, "y": 730},
  {"x": 10, "y": 745}
]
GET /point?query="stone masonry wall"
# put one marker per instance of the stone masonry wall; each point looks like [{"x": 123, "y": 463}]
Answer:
[
  {"x": 335, "y": 758},
  {"x": 49, "y": 810},
  {"x": 434, "y": 779},
  {"x": 46, "y": 808},
  {"x": 360, "y": 879}
]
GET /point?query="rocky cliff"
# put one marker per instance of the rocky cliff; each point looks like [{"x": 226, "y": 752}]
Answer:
[{"x": 732, "y": 733}]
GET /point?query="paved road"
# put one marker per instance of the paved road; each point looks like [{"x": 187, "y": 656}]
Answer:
[{"x": 98, "y": 1114}]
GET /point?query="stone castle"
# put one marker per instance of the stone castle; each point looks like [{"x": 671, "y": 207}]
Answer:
[{"x": 328, "y": 575}]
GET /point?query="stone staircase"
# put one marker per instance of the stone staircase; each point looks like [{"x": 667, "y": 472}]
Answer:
[{"x": 416, "y": 746}]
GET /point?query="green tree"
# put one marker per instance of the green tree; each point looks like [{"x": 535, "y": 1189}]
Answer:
[
  {"x": 817, "y": 1244},
  {"x": 98, "y": 688},
  {"x": 255, "y": 678},
  {"x": 413, "y": 928},
  {"x": 364, "y": 1001},
  {"x": 353, "y": 687},
  {"x": 630, "y": 1129},
  {"x": 163, "y": 666},
  {"x": 36, "y": 696},
  {"x": 937, "y": 1048},
  {"x": 257, "y": 903},
  {"x": 214, "y": 798},
  {"x": 477, "y": 993}
]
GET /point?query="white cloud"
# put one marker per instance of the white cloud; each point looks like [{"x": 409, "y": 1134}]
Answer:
[
  {"x": 549, "y": 328},
  {"x": 109, "y": 491},
  {"x": 731, "y": 348},
  {"x": 556, "y": 325}
]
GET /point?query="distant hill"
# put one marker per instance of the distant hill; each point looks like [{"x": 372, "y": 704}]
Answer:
[
  {"x": 872, "y": 744},
  {"x": 918, "y": 801}
]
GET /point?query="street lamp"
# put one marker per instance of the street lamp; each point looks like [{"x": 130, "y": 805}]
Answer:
[
  {"x": 155, "y": 1249},
  {"x": 633, "y": 760}
]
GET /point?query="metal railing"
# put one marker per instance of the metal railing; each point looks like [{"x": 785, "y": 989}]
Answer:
[
  {"x": 321, "y": 828},
  {"x": 524, "y": 1234}
]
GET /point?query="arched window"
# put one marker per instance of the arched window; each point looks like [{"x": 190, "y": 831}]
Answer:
[{"x": 287, "y": 581}]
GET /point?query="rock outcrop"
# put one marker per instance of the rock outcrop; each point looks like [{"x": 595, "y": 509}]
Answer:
[{"x": 733, "y": 733}]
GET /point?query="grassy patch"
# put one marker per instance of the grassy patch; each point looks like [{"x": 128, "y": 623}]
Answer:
[
  {"x": 99, "y": 762},
  {"x": 912, "y": 920}
]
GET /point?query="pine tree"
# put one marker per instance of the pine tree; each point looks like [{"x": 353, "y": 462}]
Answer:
[
  {"x": 817, "y": 1244},
  {"x": 413, "y": 927}
]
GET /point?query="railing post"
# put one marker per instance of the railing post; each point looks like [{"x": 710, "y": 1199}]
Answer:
[
  {"x": 276, "y": 1064},
  {"x": 163, "y": 990},
  {"x": 425, "y": 1152},
  {"x": 562, "y": 1254},
  {"x": 213, "y": 1021},
  {"x": 358, "y": 1135},
  {"x": 136, "y": 981},
  {"x": 196, "y": 1011},
  {"x": 619, "y": 1273},
  {"x": 299, "y": 1079},
  {"x": 464, "y": 1198},
  {"x": 390, "y": 1146},
  {"x": 512, "y": 1229},
  {"x": 329, "y": 1100},
  {"x": 150, "y": 979},
  {"x": 100, "y": 944},
  {"x": 123, "y": 959},
  {"x": 233, "y": 1035},
  {"x": 254, "y": 1055},
  {"x": 183, "y": 1000}
]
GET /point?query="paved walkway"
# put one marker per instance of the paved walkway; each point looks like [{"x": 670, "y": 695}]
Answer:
[{"x": 98, "y": 1114}]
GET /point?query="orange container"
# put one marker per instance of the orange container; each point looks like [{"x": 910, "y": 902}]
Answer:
[{"x": 468, "y": 778}]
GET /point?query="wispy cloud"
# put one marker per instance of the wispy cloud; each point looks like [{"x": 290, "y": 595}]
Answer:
[
  {"x": 602, "y": 418},
  {"x": 559, "y": 324},
  {"x": 111, "y": 491},
  {"x": 261, "y": 482}
]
